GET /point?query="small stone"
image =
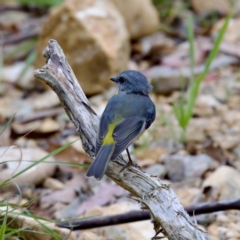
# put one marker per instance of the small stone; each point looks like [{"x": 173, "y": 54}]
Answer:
[
  {"x": 232, "y": 118},
  {"x": 48, "y": 125},
  {"x": 205, "y": 105},
  {"x": 213, "y": 230},
  {"x": 13, "y": 74},
  {"x": 186, "y": 194},
  {"x": 233, "y": 102},
  {"x": 196, "y": 130},
  {"x": 150, "y": 153},
  {"x": 46, "y": 100},
  {"x": 222, "y": 232},
  {"x": 222, "y": 6},
  {"x": 213, "y": 126},
  {"x": 227, "y": 141},
  {"x": 158, "y": 170},
  {"x": 231, "y": 35},
  {"x": 183, "y": 167},
  {"x": 53, "y": 184},
  {"x": 123, "y": 231},
  {"x": 140, "y": 16},
  {"x": 206, "y": 219},
  {"x": 222, "y": 219},
  {"x": 226, "y": 180},
  {"x": 87, "y": 235},
  {"x": 33, "y": 176}
]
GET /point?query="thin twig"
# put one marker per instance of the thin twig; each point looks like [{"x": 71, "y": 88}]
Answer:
[{"x": 134, "y": 216}]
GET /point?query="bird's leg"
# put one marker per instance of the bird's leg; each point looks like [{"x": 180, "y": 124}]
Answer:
[{"x": 130, "y": 162}]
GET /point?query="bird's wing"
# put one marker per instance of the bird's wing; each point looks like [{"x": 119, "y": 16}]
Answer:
[
  {"x": 125, "y": 132},
  {"x": 102, "y": 131}
]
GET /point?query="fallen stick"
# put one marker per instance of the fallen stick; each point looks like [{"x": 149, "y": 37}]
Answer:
[
  {"x": 134, "y": 216},
  {"x": 167, "y": 213}
]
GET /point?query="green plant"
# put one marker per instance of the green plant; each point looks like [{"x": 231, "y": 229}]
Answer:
[
  {"x": 10, "y": 212},
  {"x": 183, "y": 109},
  {"x": 47, "y": 3}
]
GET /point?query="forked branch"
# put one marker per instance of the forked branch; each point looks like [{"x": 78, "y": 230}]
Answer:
[{"x": 167, "y": 213}]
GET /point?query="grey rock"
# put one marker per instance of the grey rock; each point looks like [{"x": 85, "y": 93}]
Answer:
[
  {"x": 181, "y": 167},
  {"x": 157, "y": 170},
  {"x": 226, "y": 181}
]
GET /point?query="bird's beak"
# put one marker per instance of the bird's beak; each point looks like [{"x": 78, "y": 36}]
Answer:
[{"x": 113, "y": 79}]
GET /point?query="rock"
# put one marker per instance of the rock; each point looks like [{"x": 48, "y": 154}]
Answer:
[
  {"x": 226, "y": 226},
  {"x": 128, "y": 231},
  {"x": 23, "y": 128},
  {"x": 231, "y": 35},
  {"x": 150, "y": 153},
  {"x": 165, "y": 84},
  {"x": 199, "y": 128},
  {"x": 87, "y": 235},
  {"x": 38, "y": 231},
  {"x": 53, "y": 184},
  {"x": 94, "y": 39},
  {"x": 12, "y": 19},
  {"x": 48, "y": 125},
  {"x": 46, "y": 100},
  {"x": 226, "y": 181},
  {"x": 206, "y": 219},
  {"x": 196, "y": 130},
  {"x": 214, "y": 125},
  {"x": 158, "y": 170},
  {"x": 181, "y": 167},
  {"x": 227, "y": 141},
  {"x": 223, "y": 6},
  {"x": 3, "y": 89},
  {"x": 78, "y": 148},
  {"x": 140, "y": 16},
  {"x": 232, "y": 118},
  {"x": 14, "y": 104},
  {"x": 33, "y": 176},
  {"x": 186, "y": 194},
  {"x": 76, "y": 145},
  {"x": 205, "y": 105},
  {"x": 233, "y": 102},
  {"x": 223, "y": 219},
  {"x": 14, "y": 74},
  {"x": 154, "y": 45}
]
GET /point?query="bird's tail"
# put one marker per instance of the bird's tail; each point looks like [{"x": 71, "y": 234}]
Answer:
[{"x": 98, "y": 167}]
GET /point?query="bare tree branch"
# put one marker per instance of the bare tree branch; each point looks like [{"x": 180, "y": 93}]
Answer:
[
  {"x": 134, "y": 216},
  {"x": 165, "y": 208}
]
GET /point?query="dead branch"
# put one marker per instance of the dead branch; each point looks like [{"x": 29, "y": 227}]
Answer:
[
  {"x": 165, "y": 208},
  {"x": 134, "y": 216}
]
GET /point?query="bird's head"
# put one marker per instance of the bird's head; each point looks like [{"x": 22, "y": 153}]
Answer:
[{"x": 132, "y": 82}]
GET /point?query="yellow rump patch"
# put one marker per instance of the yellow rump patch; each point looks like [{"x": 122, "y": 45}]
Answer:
[{"x": 108, "y": 139}]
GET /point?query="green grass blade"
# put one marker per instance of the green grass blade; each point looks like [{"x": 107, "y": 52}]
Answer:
[
  {"x": 7, "y": 124},
  {"x": 4, "y": 226},
  {"x": 53, "y": 162},
  {"x": 194, "y": 87},
  {"x": 47, "y": 3},
  {"x": 47, "y": 229},
  {"x": 29, "y": 60},
  {"x": 23, "y": 47},
  {"x": 39, "y": 161},
  {"x": 190, "y": 32}
]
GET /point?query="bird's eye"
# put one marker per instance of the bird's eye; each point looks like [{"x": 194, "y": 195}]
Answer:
[{"x": 122, "y": 80}]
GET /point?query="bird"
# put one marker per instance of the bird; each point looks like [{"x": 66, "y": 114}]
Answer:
[{"x": 127, "y": 115}]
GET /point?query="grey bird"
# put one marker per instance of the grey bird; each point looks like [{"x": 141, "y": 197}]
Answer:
[{"x": 127, "y": 115}]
